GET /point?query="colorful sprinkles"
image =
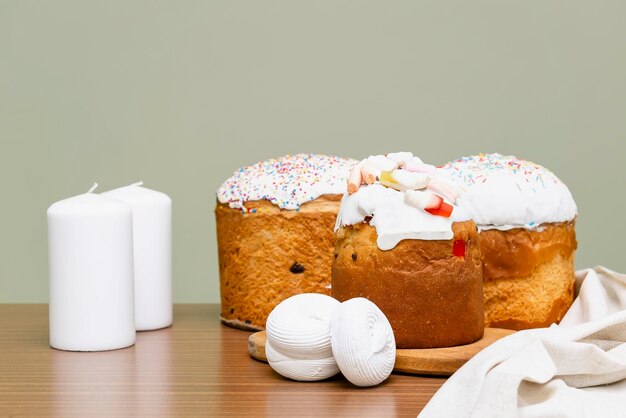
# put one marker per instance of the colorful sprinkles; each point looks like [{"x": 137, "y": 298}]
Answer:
[
  {"x": 477, "y": 168},
  {"x": 287, "y": 182},
  {"x": 504, "y": 192}
]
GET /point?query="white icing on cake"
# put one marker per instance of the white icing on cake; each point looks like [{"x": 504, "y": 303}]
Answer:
[
  {"x": 394, "y": 219},
  {"x": 503, "y": 192},
  {"x": 288, "y": 181}
]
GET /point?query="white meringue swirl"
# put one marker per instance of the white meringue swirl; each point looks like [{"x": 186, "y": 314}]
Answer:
[
  {"x": 298, "y": 337},
  {"x": 363, "y": 342}
]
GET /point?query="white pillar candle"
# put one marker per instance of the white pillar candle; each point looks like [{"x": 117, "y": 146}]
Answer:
[
  {"x": 152, "y": 236},
  {"x": 91, "y": 274}
]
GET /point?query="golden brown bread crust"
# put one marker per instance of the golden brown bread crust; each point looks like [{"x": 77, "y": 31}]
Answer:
[
  {"x": 528, "y": 275},
  {"x": 431, "y": 297},
  {"x": 268, "y": 256},
  {"x": 516, "y": 252}
]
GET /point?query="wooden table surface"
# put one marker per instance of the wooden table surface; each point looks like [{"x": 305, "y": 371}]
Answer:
[{"x": 198, "y": 367}]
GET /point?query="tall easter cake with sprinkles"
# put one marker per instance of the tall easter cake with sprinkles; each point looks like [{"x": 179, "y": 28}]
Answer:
[
  {"x": 275, "y": 233},
  {"x": 405, "y": 243},
  {"x": 526, "y": 218}
]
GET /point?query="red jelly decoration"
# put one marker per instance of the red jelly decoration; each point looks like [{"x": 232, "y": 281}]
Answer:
[
  {"x": 444, "y": 210},
  {"x": 458, "y": 248}
]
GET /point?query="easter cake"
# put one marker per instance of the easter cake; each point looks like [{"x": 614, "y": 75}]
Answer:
[
  {"x": 404, "y": 243},
  {"x": 526, "y": 219},
  {"x": 275, "y": 233}
]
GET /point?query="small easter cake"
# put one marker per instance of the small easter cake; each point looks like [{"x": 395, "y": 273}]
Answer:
[
  {"x": 525, "y": 216},
  {"x": 275, "y": 233},
  {"x": 404, "y": 243}
]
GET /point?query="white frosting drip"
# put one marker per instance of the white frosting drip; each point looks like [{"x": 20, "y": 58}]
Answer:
[
  {"x": 393, "y": 219},
  {"x": 502, "y": 192},
  {"x": 298, "y": 337},
  {"x": 288, "y": 181},
  {"x": 363, "y": 342}
]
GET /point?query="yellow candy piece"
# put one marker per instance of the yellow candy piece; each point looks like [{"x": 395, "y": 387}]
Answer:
[
  {"x": 404, "y": 180},
  {"x": 386, "y": 179}
]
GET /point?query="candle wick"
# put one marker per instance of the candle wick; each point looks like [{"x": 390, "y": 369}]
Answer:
[
  {"x": 93, "y": 187},
  {"x": 139, "y": 183}
]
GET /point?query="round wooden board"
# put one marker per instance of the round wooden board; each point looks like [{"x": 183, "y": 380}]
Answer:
[{"x": 431, "y": 361}]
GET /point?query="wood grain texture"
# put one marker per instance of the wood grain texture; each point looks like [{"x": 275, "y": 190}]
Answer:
[
  {"x": 198, "y": 367},
  {"x": 445, "y": 361},
  {"x": 432, "y": 361}
]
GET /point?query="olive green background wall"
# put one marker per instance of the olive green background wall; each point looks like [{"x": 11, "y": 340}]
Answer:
[{"x": 181, "y": 93}]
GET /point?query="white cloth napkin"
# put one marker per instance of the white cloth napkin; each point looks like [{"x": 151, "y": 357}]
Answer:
[{"x": 575, "y": 369}]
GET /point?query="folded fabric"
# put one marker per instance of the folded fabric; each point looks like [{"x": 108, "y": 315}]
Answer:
[
  {"x": 600, "y": 292},
  {"x": 576, "y": 369}
]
